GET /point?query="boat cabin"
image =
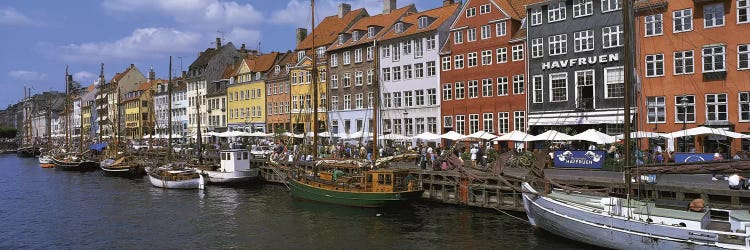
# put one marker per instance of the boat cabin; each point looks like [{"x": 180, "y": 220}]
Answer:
[
  {"x": 386, "y": 181},
  {"x": 234, "y": 160}
]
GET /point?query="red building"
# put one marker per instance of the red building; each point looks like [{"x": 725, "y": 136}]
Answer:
[
  {"x": 483, "y": 69},
  {"x": 694, "y": 70}
]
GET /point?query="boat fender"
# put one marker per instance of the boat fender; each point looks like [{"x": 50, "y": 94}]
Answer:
[
  {"x": 697, "y": 205},
  {"x": 201, "y": 182}
]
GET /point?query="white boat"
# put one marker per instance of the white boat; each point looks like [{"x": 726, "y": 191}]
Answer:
[
  {"x": 45, "y": 159},
  {"x": 235, "y": 167},
  {"x": 621, "y": 224},
  {"x": 174, "y": 176}
]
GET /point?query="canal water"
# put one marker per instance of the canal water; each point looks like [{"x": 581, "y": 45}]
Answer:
[{"x": 45, "y": 208}]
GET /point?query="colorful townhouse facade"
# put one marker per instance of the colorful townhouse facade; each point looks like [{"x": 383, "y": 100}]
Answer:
[
  {"x": 278, "y": 94},
  {"x": 247, "y": 93}
]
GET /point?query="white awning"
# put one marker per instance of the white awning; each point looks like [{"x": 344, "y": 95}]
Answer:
[{"x": 564, "y": 119}]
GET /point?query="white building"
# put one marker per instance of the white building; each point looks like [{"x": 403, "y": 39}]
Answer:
[{"x": 179, "y": 109}]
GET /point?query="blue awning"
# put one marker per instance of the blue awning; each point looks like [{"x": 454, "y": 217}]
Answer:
[{"x": 98, "y": 146}]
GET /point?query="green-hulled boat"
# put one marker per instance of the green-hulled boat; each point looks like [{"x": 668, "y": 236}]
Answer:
[{"x": 374, "y": 188}]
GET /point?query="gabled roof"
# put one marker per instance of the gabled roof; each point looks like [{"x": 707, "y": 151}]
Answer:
[
  {"x": 264, "y": 62},
  {"x": 90, "y": 88},
  {"x": 203, "y": 58},
  {"x": 120, "y": 75},
  {"x": 439, "y": 15},
  {"x": 327, "y": 30},
  {"x": 384, "y": 20},
  {"x": 229, "y": 71}
]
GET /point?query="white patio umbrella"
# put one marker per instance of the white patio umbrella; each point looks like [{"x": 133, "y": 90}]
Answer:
[
  {"x": 482, "y": 135},
  {"x": 514, "y": 135},
  {"x": 453, "y": 136},
  {"x": 427, "y": 136},
  {"x": 257, "y": 134},
  {"x": 594, "y": 136},
  {"x": 360, "y": 134},
  {"x": 705, "y": 131},
  {"x": 232, "y": 134},
  {"x": 642, "y": 134},
  {"x": 551, "y": 135},
  {"x": 210, "y": 134},
  {"x": 342, "y": 135},
  {"x": 146, "y": 136},
  {"x": 392, "y": 137},
  {"x": 309, "y": 134},
  {"x": 324, "y": 134}
]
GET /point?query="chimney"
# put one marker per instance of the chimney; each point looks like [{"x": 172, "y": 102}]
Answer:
[
  {"x": 388, "y": 6},
  {"x": 218, "y": 43},
  {"x": 184, "y": 72},
  {"x": 301, "y": 35},
  {"x": 447, "y": 2},
  {"x": 151, "y": 74},
  {"x": 343, "y": 9},
  {"x": 243, "y": 49},
  {"x": 132, "y": 65}
]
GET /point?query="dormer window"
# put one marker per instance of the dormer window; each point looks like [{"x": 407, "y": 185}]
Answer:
[
  {"x": 399, "y": 27},
  {"x": 371, "y": 32},
  {"x": 320, "y": 51},
  {"x": 341, "y": 39},
  {"x": 276, "y": 69},
  {"x": 355, "y": 36},
  {"x": 300, "y": 55},
  {"x": 257, "y": 75},
  {"x": 423, "y": 22}
]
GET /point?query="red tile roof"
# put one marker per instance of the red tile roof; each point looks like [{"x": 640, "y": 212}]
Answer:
[
  {"x": 384, "y": 20},
  {"x": 264, "y": 62},
  {"x": 327, "y": 30},
  {"x": 440, "y": 15}
]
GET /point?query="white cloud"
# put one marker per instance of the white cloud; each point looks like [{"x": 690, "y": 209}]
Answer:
[
  {"x": 10, "y": 15},
  {"x": 239, "y": 36},
  {"x": 142, "y": 43},
  {"x": 83, "y": 76},
  {"x": 27, "y": 75},
  {"x": 297, "y": 12},
  {"x": 202, "y": 13}
]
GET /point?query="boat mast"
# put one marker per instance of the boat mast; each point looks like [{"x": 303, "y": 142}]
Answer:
[
  {"x": 67, "y": 111},
  {"x": 375, "y": 103},
  {"x": 198, "y": 116},
  {"x": 117, "y": 122},
  {"x": 313, "y": 74},
  {"x": 628, "y": 80},
  {"x": 169, "y": 108},
  {"x": 80, "y": 126},
  {"x": 101, "y": 81}
]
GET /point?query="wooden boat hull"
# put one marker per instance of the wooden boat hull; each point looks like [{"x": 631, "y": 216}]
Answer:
[
  {"x": 183, "y": 184},
  {"x": 356, "y": 199},
  {"x": 131, "y": 170},
  {"x": 28, "y": 152},
  {"x": 226, "y": 178},
  {"x": 81, "y": 165}
]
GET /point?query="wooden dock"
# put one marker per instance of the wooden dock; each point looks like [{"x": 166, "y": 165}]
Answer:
[{"x": 488, "y": 191}]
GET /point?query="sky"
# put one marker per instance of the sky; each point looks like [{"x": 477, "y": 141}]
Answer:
[{"x": 41, "y": 37}]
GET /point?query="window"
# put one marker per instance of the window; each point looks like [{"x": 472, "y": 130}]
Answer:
[
  {"x": 408, "y": 73},
  {"x": 471, "y": 34},
  {"x": 334, "y": 81},
  {"x": 459, "y": 90},
  {"x": 614, "y": 80},
  {"x": 518, "y": 85},
  {"x": 334, "y": 103},
  {"x": 537, "y": 47},
  {"x": 386, "y": 100},
  {"x": 431, "y": 71},
  {"x": 473, "y": 123},
  {"x": 653, "y": 24},
  {"x": 347, "y": 102},
  {"x": 484, "y": 9},
  {"x": 743, "y": 11},
  {"x": 447, "y": 121},
  {"x": 487, "y": 88},
  {"x": 386, "y": 74},
  {"x": 502, "y": 55},
  {"x": 583, "y": 8},
  {"x": 432, "y": 124},
  {"x": 370, "y": 53},
  {"x": 610, "y": 5},
  {"x": 346, "y": 57},
  {"x": 358, "y": 78},
  {"x": 713, "y": 15},
  {"x": 334, "y": 61},
  {"x": 460, "y": 124},
  {"x": 396, "y": 73},
  {"x": 716, "y": 107},
  {"x": 536, "y": 17},
  {"x": 358, "y": 102},
  {"x": 487, "y": 123},
  {"x": 537, "y": 87},
  {"x": 419, "y": 97},
  {"x": 654, "y": 65},
  {"x": 501, "y": 29},
  {"x": 656, "y": 109},
  {"x": 612, "y": 36},
  {"x": 486, "y": 57},
  {"x": 397, "y": 126},
  {"x": 517, "y": 52},
  {"x": 419, "y": 122},
  {"x": 558, "y": 44},
  {"x": 386, "y": 51},
  {"x": 471, "y": 59},
  {"x": 423, "y": 22},
  {"x": 431, "y": 43},
  {"x": 300, "y": 55},
  {"x": 419, "y": 70},
  {"x": 473, "y": 88},
  {"x": 556, "y": 12},
  {"x": 399, "y": 27},
  {"x": 683, "y": 62},
  {"x": 432, "y": 96},
  {"x": 371, "y": 32},
  {"x": 396, "y": 99},
  {"x": 502, "y": 123},
  {"x": 683, "y": 20},
  {"x": 470, "y": 12},
  {"x": 558, "y": 85},
  {"x": 355, "y": 36},
  {"x": 743, "y": 56},
  {"x": 744, "y": 100},
  {"x": 358, "y": 55},
  {"x": 347, "y": 80},
  {"x": 519, "y": 120},
  {"x": 502, "y": 86},
  {"x": 407, "y": 47},
  {"x": 485, "y": 32},
  {"x": 458, "y": 37},
  {"x": 583, "y": 40},
  {"x": 396, "y": 53},
  {"x": 684, "y": 111},
  {"x": 459, "y": 61},
  {"x": 446, "y": 63},
  {"x": 418, "y": 48},
  {"x": 447, "y": 91},
  {"x": 713, "y": 59}
]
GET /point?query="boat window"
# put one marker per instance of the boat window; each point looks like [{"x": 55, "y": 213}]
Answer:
[
  {"x": 381, "y": 179},
  {"x": 223, "y": 156},
  {"x": 239, "y": 157},
  {"x": 369, "y": 178},
  {"x": 244, "y": 156},
  {"x": 388, "y": 179}
]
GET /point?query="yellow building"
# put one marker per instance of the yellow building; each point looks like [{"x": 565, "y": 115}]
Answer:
[
  {"x": 246, "y": 94},
  {"x": 302, "y": 92},
  {"x": 138, "y": 108}
]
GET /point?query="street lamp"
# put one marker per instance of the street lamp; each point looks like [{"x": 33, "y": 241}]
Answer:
[{"x": 684, "y": 102}]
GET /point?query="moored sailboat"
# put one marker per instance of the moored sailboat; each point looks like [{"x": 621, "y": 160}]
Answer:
[{"x": 175, "y": 176}]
